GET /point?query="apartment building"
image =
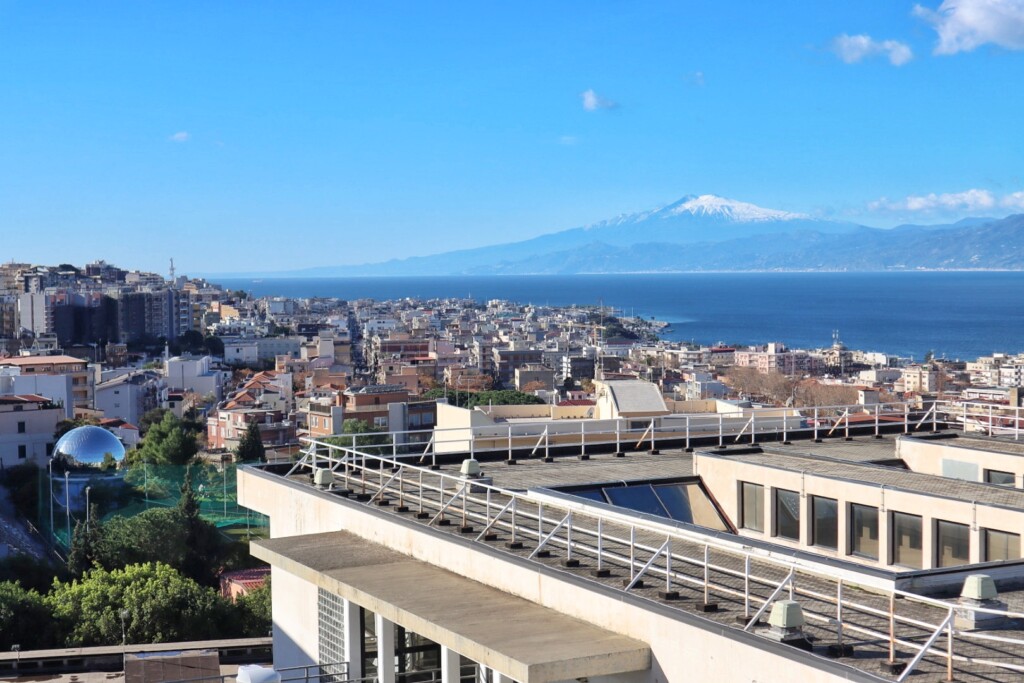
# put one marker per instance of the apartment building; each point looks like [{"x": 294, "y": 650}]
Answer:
[
  {"x": 82, "y": 386},
  {"x": 27, "y": 426}
]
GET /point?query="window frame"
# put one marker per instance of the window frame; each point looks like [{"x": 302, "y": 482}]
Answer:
[
  {"x": 776, "y": 533},
  {"x": 813, "y": 520},
  {"x": 759, "y": 505},
  {"x": 853, "y": 537}
]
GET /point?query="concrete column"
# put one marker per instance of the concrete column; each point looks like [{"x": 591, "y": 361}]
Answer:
[
  {"x": 353, "y": 640},
  {"x": 498, "y": 677},
  {"x": 450, "y": 660},
  {"x": 385, "y": 649}
]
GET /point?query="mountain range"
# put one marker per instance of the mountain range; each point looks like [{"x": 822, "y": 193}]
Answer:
[{"x": 710, "y": 233}]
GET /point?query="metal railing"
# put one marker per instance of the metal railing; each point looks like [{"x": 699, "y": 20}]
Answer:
[
  {"x": 682, "y": 563},
  {"x": 545, "y": 438}
]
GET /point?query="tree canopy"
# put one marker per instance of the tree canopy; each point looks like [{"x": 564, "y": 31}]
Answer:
[
  {"x": 167, "y": 442},
  {"x": 162, "y": 606},
  {"x": 24, "y": 619},
  {"x": 250, "y": 446}
]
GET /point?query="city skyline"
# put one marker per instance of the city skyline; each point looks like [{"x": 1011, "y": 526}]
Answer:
[{"x": 258, "y": 137}]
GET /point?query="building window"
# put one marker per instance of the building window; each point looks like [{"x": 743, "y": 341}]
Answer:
[
  {"x": 906, "y": 540},
  {"x": 864, "y": 530},
  {"x": 21, "y": 427},
  {"x": 1000, "y": 478},
  {"x": 787, "y": 514},
  {"x": 825, "y": 522},
  {"x": 22, "y": 451},
  {"x": 999, "y": 545},
  {"x": 952, "y": 544},
  {"x": 380, "y": 422},
  {"x": 752, "y": 506}
]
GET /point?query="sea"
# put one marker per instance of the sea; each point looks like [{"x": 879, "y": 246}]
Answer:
[{"x": 956, "y": 315}]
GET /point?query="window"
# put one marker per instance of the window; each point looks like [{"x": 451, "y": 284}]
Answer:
[
  {"x": 906, "y": 540},
  {"x": 999, "y": 545},
  {"x": 824, "y": 522},
  {"x": 1000, "y": 478},
  {"x": 787, "y": 514},
  {"x": 751, "y": 506},
  {"x": 952, "y": 544},
  {"x": 864, "y": 530},
  {"x": 380, "y": 422},
  {"x": 21, "y": 427},
  {"x": 22, "y": 452}
]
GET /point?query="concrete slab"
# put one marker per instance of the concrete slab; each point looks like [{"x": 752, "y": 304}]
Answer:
[{"x": 516, "y": 637}]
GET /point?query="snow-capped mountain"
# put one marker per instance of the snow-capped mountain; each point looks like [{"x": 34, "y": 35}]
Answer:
[
  {"x": 708, "y": 205},
  {"x": 694, "y": 233}
]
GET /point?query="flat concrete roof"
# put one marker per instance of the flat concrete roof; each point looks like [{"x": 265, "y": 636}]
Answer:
[
  {"x": 878, "y": 475},
  {"x": 519, "y": 638}
]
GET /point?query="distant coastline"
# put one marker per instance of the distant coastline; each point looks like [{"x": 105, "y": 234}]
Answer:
[{"x": 957, "y": 314}]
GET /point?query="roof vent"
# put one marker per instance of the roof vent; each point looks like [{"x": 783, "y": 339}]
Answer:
[
  {"x": 979, "y": 592},
  {"x": 323, "y": 477},
  {"x": 470, "y": 468},
  {"x": 787, "y": 624}
]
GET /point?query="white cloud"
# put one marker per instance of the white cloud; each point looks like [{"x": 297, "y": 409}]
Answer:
[
  {"x": 695, "y": 78},
  {"x": 180, "y": 136},
  {"x": 852, "y": 49},
  {"x": 592, "y": 101},
  {"x": 964, "y": 25},
  {"x": 1014, "y": 200},
  {"x": 969, "y": 200}
]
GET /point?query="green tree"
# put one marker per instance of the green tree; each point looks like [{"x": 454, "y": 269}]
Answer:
[
  {"x": 150, "y": 418},
  {"x": 154, "y": 535},
  {"x": 363, "y": 435},
  {"x": 250, "y": 446},
  {"x": 86, "y": 543},
  {"x": 214, "y": 346},
  {"x": 502, "y": 397},
  {"x": 166, "y": 443},
  {"x": 254, "y": 611},
  {"x": 161, "y": 606},
  {"x": 25, "y": 619}
]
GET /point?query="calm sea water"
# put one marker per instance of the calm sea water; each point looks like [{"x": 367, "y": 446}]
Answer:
[{"x": 957, "y": 315}]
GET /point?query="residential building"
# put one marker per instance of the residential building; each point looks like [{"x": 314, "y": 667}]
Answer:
[
  {"x": 27, "y": 426},
  {"x": 75, "y": 368}
]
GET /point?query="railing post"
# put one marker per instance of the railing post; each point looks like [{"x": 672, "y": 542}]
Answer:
[
  {"x": 815, "y": 424},
  {"x": 618, "y": 437},
  {"x": 510, "y": 441},
  {"x": 949, "y": 646},
  {"x": 1016, "y": 423},
  {"x": 935, "y": 415},
  {"x": 892, "y": 627},
  {"x": 568, "y": 539},
  {"x": 547, "y": 443},
  {"x": 746, "y": 586},
  {"x": 668, "y": 566},
  {"x": 487, "y": 509},
  {"x": 515, "y": 507},
  {"x": 632, "y": 552},
  {"x": 600, "y": 545},
  {"x": 839, "y": 615},
  {"x": 707, "y": 562},
  {"x": 654, "y": 448},
  {"x": 420, "y": 493},
  {"x": 583, "y": 438},
  {"x": 785, "y": 426},
  {"x": 721, "y": 435},
  {"x": 540, "y": 521},
  {"x": 753, "y": 427},
  {"x": 906, "y": 417},
  {"x": 465, "y": 495},
  {"x": 876, "y": 421},
  {"x": 687, "y": 433}
]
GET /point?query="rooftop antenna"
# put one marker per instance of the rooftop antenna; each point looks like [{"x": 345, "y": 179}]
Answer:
[{"x": 172, "y": 270}]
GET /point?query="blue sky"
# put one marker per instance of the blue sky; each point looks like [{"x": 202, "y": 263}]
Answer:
[{"x": 270, "y": 136}]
